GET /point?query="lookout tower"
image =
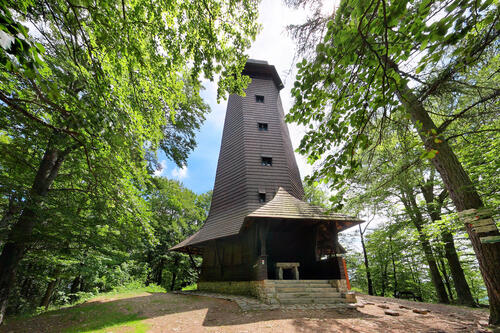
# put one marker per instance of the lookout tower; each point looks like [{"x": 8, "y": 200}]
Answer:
[{"x": 259, "y": 228}]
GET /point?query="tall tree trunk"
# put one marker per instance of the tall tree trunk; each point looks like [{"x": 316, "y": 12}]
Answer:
[
  {"x": 75, "y": 287},
  {"x": 159, "y": 272},
  {"x": 461, "y": 191},
  {"x": 367, "y": 266},
  {"x": 416, "y": 278},
  {"x": 48, "y": 293},
  {"x": 446, "y": 278},
  {"x": 21, "y": 231},
  {"x": 174, "y": 273},
  {"x": 413, "y": 210},
  {"x": 434, "y": 205},
  {"x": 384, "y": 278},
  {"x": 464, "y": 294},
  {"x": 395, "y": 291}
]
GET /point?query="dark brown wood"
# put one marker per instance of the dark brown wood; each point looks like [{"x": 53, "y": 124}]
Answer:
[
  {"x": 45, "y": 302},
  {"x": 243, "y": 238}
]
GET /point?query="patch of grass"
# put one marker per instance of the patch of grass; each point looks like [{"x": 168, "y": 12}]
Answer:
[
  {"x": 191, "y": 287},
  {"x": 102, "y": 317},
  {"x": 74, "y": 311}
]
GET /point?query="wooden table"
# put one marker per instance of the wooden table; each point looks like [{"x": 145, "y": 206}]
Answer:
[{"x": 294, "y": 266}]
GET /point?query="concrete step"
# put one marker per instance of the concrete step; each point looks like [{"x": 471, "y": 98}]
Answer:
[
  {"x": 297, "y": 281},
  {"x": 312, "y": 300},
  {"x": 303, "y": 285},
  {"x": 308, "y": 295},
  {"x": 306, "y": 289}
]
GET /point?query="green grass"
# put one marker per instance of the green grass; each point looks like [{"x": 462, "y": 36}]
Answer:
[
  {"x": 103, "y": 318},
  {"x": 190, "y": 287},
  {"x": 97, "y": 316}
]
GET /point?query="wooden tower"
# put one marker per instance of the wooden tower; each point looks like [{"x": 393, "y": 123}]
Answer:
[{"x": 257, "y": 217}]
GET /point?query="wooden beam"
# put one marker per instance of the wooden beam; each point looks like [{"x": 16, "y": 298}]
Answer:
[{"x": 490, "y": 239}]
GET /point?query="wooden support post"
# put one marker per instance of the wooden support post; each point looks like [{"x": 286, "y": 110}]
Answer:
[
  {"x": 193, "y": 263},
  {"x": 346, "y": 275}
]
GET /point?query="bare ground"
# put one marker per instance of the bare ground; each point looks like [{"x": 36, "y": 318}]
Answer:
[{"x": 180, "y": 313}]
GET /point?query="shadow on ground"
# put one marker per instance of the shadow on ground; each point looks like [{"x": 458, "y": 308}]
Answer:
[{"x": 159, "y": 311}]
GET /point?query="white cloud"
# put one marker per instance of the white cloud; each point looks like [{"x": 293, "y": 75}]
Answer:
[
  {"x": 161, "y": 170},
  {"x": 180, "y": 174}
]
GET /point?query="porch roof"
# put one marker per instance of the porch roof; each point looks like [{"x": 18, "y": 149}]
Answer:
[{"x": 283, "y": 206}]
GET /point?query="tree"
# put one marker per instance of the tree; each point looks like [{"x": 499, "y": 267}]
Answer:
[
  {"x": 369, "y": 282},
  {"x": 94, "y": 90},
  {"x": 364, "y": 71},
  {"x": 178, "y": 213}
]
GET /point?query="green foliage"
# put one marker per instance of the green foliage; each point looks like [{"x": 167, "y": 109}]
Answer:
[
  {"x": 106, "y": 85},
  {"x": 351, "y": 90}
]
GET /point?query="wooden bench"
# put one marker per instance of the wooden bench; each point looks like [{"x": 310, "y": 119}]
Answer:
[{"x": 280, "y": 266}]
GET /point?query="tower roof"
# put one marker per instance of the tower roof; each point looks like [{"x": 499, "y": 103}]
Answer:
[
  {"x": 286, "y": 206},
  {"x": 260, "y": 68}
]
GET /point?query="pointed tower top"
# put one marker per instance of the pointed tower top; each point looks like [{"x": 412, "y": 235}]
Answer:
[{"x": 261, "y": 69}]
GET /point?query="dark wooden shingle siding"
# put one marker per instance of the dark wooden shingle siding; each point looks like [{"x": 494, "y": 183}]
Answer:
[{"x": 240, "y": 176}]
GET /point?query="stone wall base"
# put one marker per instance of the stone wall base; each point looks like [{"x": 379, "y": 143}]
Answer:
[{"x": 263, "y": 290}]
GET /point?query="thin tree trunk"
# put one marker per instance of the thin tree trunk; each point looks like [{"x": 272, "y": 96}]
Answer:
[
  {"x": 413, "y": 210},
  {"x": 75, "y": 286},
  {"x": 393, "y": 268},
  {"x": 48, "y": 293},
  {"x": 367, "y": 266},
  {"x": 445, "y": 276},
  {"x": 174, "y": 273},
  {"x": 434, "y": 205},
  {"x": 464, "y": 294},
  {"x": 384, "y": 278},
  {"x": 159, "y": 272},
  {"x": 21, "y": 231},
  {"x": 462, "y": 193},
  {"x": 26, "y": 287},
  {"x": 416, "y": 278}
]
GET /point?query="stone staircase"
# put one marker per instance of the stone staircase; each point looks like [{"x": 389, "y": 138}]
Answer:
[{"x": 288, "y": 292}]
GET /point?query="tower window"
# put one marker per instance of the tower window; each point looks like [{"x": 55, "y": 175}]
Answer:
[
  {"x": 267, "y": 161},
  {"x": 262, "y": 126},
  {"x": 259, "y": 98},
  {"x": 262, "y": 197}
]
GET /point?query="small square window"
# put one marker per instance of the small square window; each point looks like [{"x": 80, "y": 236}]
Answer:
[
  {"x": 262, "y": 197},
  {"x": 262, "y": 126},
  {"x": 267, "y": 161},
  {"x": 259, "y": 98}
]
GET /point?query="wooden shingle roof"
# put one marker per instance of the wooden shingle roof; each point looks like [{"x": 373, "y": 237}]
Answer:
[
  {"x": 286, "y": 206},
  {"x": 283, "y": 206}
]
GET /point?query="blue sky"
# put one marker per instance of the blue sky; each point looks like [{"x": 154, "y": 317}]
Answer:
[{"x": 199, "y": 173}]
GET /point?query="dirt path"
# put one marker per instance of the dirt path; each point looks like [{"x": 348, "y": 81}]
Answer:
[{"x": 160, "y": 312}]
